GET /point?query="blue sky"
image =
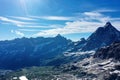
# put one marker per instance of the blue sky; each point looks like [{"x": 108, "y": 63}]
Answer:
[{"x": 73, "y": 19}]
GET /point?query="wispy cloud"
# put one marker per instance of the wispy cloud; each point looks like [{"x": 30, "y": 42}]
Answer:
[
  {"x": 12, "y": 21},
  {"x": 88, "y": 23},
  {"x": 51, "y": 26},
  {"x": 71, "y": 27},
  {"x": 59, "y": 18},
  {"x": 27, "y": 23},
  {"x": 95, "y": 14},
  {"x": 22, "y": 18},
  {"x": 5, "y": 19},
  {"x": 29, "y": 30},
  {"x": 105, "y": 10},
  {"x": 83, "y": 23},
  {"x": 17, "y": 33}
]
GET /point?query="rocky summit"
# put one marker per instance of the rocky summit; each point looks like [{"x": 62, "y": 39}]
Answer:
[{"x": 103, "y": 36}]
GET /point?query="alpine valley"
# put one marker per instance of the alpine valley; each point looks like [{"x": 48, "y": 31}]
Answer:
[{"x": 58, "y": 58}]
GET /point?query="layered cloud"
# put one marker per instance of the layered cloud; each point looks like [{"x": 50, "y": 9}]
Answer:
[
  {"x": 89, "y": 22},
  {"x": 21, "y": 18},
  {"x": 83, "y": 23},
  {"x": 56, "y": 18},
  {"x": 71, "y": 27},
  {"x": 13, "y": 21}
]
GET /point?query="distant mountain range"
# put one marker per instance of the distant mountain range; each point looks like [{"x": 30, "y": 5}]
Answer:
[{"x": 26, "y": 52}]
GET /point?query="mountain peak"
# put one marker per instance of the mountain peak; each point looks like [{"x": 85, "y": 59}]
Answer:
[
  {"x": 108, "y": 24},
  {"x": 103, "y": 36},
  {"x": 59, "y": 35}
]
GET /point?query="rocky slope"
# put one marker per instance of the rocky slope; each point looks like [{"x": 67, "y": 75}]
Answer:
[
  {"x": 93, "y": 68},
  {"x": 104, "y": 64},
  {"x": 112, "y": 51}
]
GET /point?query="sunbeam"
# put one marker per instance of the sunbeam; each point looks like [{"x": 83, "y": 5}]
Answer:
[{"x": 24, "y": 6}]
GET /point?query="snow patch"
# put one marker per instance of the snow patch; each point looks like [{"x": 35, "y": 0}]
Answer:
[
  {"x": 23, "y": 78},
  {"x": 78, "y": 53},
  {"x": 15, "y": 78}
]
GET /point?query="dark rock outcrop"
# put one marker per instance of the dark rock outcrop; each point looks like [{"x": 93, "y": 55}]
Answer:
[{"x": 112, "y": 51}]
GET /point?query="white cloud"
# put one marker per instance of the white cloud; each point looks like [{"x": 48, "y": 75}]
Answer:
[
  {"x": 89, "y": 23},
  {"x": 28, "y": 24},
  {"x": 116, "y": 24},
  {"x": 12, "y": 31},
  {"x": 29, "y": 30},
  {"x": 83, "y": 23},
  {"x": 22, "y": 18},
  {"x": 42, "y": 26},
  {"x": 105, "y": 10},
  {"x": 17, "y": 33},
  {"x": 95, "y": 14},
  {"x": 10, "y": 20},
  {"x": 72, "y": 27},
  {"x": 59, "y": 18},
  {"x": 15, "y": 22}
]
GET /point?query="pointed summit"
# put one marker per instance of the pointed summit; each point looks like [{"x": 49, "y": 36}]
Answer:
[
  {"x": 108, "y": 24},
  {"x": 59, "y": 35},
  {"x": 110, "y": 28},
  {"x": 103, "y": 36}
]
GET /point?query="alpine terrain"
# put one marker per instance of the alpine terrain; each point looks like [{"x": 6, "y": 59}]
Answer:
[{"x": 57, "y": 58}]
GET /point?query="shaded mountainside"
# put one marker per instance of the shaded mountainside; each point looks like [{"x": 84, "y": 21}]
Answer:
[
  {"x": 26, "y": 52},
  {"x": 103, "y": 36},
  {"x": 73, "y": 64},
  {"x": 112, "y": 51},
  {"x": 91, "y": 68}
]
